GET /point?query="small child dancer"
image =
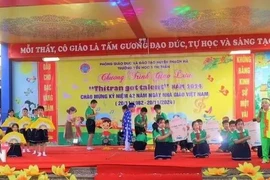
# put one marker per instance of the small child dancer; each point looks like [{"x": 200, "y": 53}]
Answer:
[
  {"x": 240, "y": 149},
  {"x": 23, "y": 130},
  {"x": 15, "y": 148},
  {"x": 225, "y": 134},
  {"x": 10, "y": 114},
  {"x": 163, "y": 148},
  {"x": 201, "y": 148},
  {"x": 77, "y": 124},
  {"x": 41, "y": 135},
  {"x": 141, "y": 142},
  {"x": 68, "y": 127},
  {"x": 232, "y": 129}
]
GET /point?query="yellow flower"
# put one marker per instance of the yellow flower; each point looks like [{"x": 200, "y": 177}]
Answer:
[
  {"x": 33, "y": 171},
  {"x": 43, "y": 177},
  {"x": 60, "y": 171},
  {"x": 258, "y": 176},
  {"x": 72, "y": 177},
  {"x": 247, "y": 169},
  {"x": 234, "y": 178},
  {"x": 7, "y": 171},
  {"x": 215, "y": 172},
  {"x": 23, "y": 176}
]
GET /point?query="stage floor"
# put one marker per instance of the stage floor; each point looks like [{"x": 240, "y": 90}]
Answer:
[{"x": 78, "y": 156}]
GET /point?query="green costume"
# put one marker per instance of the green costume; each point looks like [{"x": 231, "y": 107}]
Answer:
[{"x": 265, "y": 133}]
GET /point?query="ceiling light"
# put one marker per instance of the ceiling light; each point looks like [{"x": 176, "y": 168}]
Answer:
[
  {"x": 240, "y": 52},
  {"x": 50, "y": 59}
]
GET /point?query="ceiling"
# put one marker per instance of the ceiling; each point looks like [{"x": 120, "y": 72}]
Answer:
[{"x": 69, "y": 20}]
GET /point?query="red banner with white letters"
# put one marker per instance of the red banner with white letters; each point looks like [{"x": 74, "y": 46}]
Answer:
[
  {"x": 244, "y": 86},
  {"x": 47, "y": 94},
  {"x": 140, "y": 46}
]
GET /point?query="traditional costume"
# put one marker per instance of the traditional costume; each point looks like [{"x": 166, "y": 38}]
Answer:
[
  {"x": 163, "y": 148},
  {"x": 127, "y": 129},
  {"x": 201, "y": 147},
  {"x": 240, "y": 151},
  {"x": 265, "y": 130}
]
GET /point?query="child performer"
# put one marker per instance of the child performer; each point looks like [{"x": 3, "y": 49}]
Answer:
[
  {"x": 32, "y": 132},
  {"x": 78, "y": 123},
  {"x": 225, "y": 134},
  {"x": 15, "y": 148},
  {"x": 141, "y": 142},
  {"x": 24, "y": 132},
  {"x": 240, "y": 149},
  {"x": 41, "y": 135},
  {"x": 265, "y": 131},
  {"x": 127, "y": 129},
  {"x": 201, "y": 148},
  {"x": 90, "y": 116},
  {"x": 200, "y": 122},
  {"x": 173, "y": 144},
  {"x": 10, "y": 114},
  {"x": 232, "y": 129},
  {"x": 141, "y": 122},
  {"x": 163, "y": 148},
  {"x": 159, "y": 115},
  {"x": 68, "y": 127}
]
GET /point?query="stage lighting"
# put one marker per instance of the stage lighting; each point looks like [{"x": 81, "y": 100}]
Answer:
[
  {"x": 240, "y": 52},
  {"x": 50, "y": 59}
]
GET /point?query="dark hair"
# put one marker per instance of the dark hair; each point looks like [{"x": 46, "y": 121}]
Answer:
[
  {"x": 125, "y": 107},
  {"x": 199, "y": 121},
  {"x": 71, "y": 109},
  {"x": 82, "y": 119},
  {"x": 157, "y": 107},
  {"x": 144, "y": 109},
  {"x": 15, "y": 124},
  {"x": 41, "y": 108},
  {"x": 25, "y": 109},
  {"x": 194, "y": 123},
  {"x": 167, "y": 122},
  {"x": 10, "y": 110},
  {"x": 225, "y": 122},
  {"x": 160, "y": 119},
  {"x": 93, "y": 101},
  {"x": 231, "y": 122},
  {"x": 238, "y": 121},
  {"x": 33, "y": 111}
]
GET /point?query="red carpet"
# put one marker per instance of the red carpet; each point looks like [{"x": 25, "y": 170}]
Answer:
[{"x": 128, "y": 163}]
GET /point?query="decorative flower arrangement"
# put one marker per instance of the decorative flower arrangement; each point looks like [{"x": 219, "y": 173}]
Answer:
[
  {"x": 215, "y": 172},
  {"x": 245, "y": 169},
  {"x": 33, "y": 171}
]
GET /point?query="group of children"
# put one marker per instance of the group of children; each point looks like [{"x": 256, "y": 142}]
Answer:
[
  {"x": 37, "y": 138},
  {"x": 234, "y": 136}
]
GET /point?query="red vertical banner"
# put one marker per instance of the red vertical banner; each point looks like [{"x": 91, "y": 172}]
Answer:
[
  {"x": 244, "y": 86},
  {"x": 47, "y": 94}
]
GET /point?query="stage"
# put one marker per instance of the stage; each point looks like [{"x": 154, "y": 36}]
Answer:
[{"x": 110, "y": 161}]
